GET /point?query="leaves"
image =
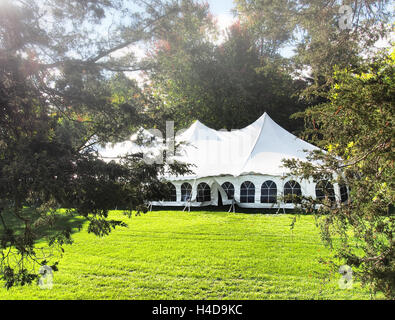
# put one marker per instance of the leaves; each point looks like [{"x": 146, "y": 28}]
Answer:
[
  {"x": 198, "y": 79},
  {"x": 359, "y": 141}
]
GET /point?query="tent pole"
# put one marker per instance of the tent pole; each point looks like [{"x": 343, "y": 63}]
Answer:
[
  {"x": 187, "y": 205},
  {"x": 280, "y": 202},
  {"x": 232, "y": 206}
]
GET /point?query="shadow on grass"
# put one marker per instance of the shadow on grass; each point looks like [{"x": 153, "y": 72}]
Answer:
[
  {"x": 226, "y": 209},
  {"x": 59, "y": 221}
]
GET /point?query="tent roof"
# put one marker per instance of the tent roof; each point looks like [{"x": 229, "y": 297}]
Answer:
[
  {"x": 115, "y": 151},
  {"x": 256, "y": 149}
]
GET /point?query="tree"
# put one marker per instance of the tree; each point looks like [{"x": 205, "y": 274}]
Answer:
[
  {"x": 61, "y": 89},
  {"x": 196, "y": 78},
  {"x": 319, "y": 31},
  {"x": 355, "y": 126}
]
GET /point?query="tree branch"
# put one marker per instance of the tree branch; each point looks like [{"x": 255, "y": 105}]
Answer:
[{"x": 364, "y": 156}]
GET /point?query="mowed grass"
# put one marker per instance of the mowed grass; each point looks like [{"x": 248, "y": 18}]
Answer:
[{"x": 196, "y": 255}]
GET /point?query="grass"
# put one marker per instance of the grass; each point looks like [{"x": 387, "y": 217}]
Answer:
[{"x": 196, "y": 255}]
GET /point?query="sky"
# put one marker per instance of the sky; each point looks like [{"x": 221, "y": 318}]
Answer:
[
  {"x": 222, "y": 10},
  {"x": 220, "y": 6}
]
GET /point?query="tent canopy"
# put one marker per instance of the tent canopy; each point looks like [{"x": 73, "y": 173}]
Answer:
[{"x": 256, "y": 149}]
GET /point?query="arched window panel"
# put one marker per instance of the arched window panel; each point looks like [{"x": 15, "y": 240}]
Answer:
[
  {"x": 343, "y": 192},
  {"x": 229, "y": 189},
  {"x": 324, "y": 190},
  {"x": 186, "y": 192},
  {"x": 268, "y": 192},
  {"x": 247, "y": 192},
  {"x": 292, "y": 191},
  {"x": 203, "y": 192},
  {"x": 172, "y": 195}
]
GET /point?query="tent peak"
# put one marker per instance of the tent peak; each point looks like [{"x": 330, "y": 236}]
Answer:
[{"x": 198, "y": 123}]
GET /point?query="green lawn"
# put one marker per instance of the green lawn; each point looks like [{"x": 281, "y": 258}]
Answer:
[{"x": 196, "y": 255}]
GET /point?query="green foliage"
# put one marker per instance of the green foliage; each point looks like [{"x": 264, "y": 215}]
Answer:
[
  {"x": 356, "y": 128},
  {"x": 226, "y": 85},
  {"x": 313, "y": 28}
]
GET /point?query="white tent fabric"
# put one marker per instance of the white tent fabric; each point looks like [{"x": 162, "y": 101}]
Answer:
[
  {"x": 256, "y": 149},
  {"x": 252, "y": 154},
  {"x": 115, "y": 151}
]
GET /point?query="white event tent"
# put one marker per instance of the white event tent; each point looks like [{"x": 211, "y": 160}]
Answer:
[{"x": 242, "y": 167}]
